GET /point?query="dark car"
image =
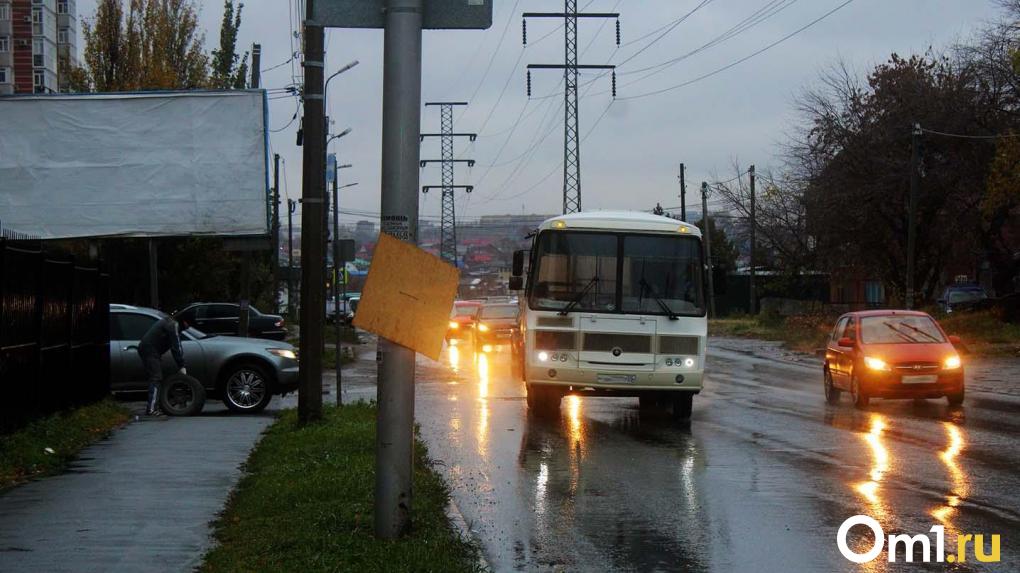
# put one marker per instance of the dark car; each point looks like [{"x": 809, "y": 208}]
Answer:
[
  {"x": 961, "y": 296},
  {"x": 892, "y": 354},
  {"x": 497, "y": 324},
  {"x": 224, "y": 318},
  {"x": 462, "y": 320},
  {"x": 244, "y": 372}
]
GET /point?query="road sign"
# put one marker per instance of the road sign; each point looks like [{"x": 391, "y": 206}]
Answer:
[
  {"x": 346, "y": 250},
  {"x": 330, "y": 168},
  {"x": 438, "y": 14}
]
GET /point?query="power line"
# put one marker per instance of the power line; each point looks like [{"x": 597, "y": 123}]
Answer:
[
  {"x": 741, "y": 60},
  {"x": 761, "y": 15},
  {"x": 964, "y": 136},
  {"x": 669, "y": 29}
]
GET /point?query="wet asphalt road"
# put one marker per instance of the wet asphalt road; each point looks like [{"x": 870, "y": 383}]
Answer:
[{"x": 760, "y": 480}]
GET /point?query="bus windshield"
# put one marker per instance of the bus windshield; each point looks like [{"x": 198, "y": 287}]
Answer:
[{"x": 617, "y": 273}]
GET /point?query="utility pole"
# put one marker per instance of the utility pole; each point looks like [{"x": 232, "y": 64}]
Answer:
[
  {"x": 312, "y": 192},
  {"x": 291, "y": 207},
  {"x": 275, "y": 241},
  {"x": 153, "y": 274},
  {"x": 448, "y": 224},
  {"x": 401, "y": 151},
  {"x": 707, "y": 237},
  {"x": 915, "y": 188},
  {"x": 683, "y": 194},
  {"x": 752, "y": 299},
  {"x": 571, "y": 131}
]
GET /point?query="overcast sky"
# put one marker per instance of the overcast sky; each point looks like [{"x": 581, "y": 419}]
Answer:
[{"x": 631, "y": 158}]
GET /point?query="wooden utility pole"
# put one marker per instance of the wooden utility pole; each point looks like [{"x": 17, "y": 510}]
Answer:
[
  {"x": 707, "y": 241},
  {"x": 915, "y": 186},
  {"x": 683, "y": 194},
  {"x": 752, "y": 297}
]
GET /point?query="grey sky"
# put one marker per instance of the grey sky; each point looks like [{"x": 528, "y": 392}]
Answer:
[{"x": 631, "y": 158}]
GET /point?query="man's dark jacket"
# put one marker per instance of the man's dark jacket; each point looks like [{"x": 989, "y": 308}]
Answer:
[{"x": 161, "y": 337}]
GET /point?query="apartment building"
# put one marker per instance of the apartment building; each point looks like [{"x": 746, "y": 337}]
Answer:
[{"x": 38, "y": 45}]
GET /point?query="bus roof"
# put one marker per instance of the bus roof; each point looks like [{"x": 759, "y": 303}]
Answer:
[{"x": 620, "y": 221}]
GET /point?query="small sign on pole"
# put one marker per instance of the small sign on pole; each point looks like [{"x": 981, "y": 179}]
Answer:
[{"x": 436, "y": 14}]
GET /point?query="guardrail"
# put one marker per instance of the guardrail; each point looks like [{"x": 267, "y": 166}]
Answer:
[{"x": 54, "y": 333}]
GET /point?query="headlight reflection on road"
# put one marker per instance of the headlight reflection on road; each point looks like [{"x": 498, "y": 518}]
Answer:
[
  {"x": 454, "y": 355},
  {"x": 960, "y": 485},
  {"x": 879, "y": 466},
  {"x": 576, "y": 430},
  {"x": 483, "y": 399}
]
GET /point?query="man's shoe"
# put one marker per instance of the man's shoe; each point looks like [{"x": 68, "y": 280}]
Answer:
[{"x": 157, "y": 413}]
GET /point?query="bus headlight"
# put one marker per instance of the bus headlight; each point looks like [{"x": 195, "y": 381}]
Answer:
[
  {"x": 543, "y": 356},
  {"x": 669, "y": 362},
  {"x": 689, "y": 362}
]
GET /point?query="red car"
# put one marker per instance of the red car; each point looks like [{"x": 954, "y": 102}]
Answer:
[
  {"x": 892, "y": 354},
  {"x": 462, "y": 320}
]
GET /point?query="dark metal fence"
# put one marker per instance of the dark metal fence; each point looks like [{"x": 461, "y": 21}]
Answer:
[{"x": 54, "y": 333}]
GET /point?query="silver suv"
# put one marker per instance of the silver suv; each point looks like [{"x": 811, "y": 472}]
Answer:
[{"x": 244, "y": 372}]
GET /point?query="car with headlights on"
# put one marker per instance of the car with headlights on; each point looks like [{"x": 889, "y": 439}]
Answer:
[
  {"x": 243, "y": 372},
  {"x": 462, "y": 320},
  {"x": 497, "y": 324},
  {"x": 892, "y": 354}
]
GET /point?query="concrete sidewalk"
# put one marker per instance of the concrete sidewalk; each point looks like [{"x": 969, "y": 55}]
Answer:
[{"x": 141, "y": 500}]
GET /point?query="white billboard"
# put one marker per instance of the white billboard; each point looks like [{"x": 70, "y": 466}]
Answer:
[{"x": 144, "y": 164}]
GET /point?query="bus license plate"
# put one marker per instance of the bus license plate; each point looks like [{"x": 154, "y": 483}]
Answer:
[
  {"x": 617, "y": 378},
  {"x": 929, "y": 379}
]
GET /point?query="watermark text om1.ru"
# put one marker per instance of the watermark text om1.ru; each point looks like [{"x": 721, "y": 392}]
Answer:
[{"x": 908, "y": 543}]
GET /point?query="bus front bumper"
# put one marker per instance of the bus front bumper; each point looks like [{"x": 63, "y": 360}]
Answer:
[{"x": 615, "y": 382}]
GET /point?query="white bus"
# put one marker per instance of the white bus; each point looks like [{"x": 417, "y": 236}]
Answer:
[{"x": 613, "y": 305}]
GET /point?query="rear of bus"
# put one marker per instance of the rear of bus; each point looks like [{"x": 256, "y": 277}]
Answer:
[{"x": 614, "y": 305}]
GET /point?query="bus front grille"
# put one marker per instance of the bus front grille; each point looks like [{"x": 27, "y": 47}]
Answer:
[
  {"x": 555, "y": 340},
  {"x": 678, "y": 345},
  {"x": 606, "y": 342}
]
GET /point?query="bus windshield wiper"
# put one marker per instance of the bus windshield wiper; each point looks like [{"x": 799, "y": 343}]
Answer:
[
  {"x": 580, "y": 296},
  {"x": 662, "y": 304}
]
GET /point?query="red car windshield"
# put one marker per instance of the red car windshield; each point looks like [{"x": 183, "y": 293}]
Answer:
[
  {"x": 465, "y": 310},
  {"x": 900, "y": 329}
]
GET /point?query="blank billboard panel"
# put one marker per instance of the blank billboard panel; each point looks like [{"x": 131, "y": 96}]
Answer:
[{"x": 144, "y": 164}]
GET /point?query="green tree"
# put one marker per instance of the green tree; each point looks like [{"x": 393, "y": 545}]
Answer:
[
  {"x": 228, "y": 70},
  {"x": 153, "y": 44}
]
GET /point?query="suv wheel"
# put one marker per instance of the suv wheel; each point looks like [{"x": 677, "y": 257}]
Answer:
[{"x": 246, "y": 389}]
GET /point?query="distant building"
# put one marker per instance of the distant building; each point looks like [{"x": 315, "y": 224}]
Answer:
[{"x": 38, "y": 45}]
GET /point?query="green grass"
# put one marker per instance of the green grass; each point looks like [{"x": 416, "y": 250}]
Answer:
[
  {"x": 983, "y": 332},
  {"x": 25, "y": 453},
  {"x": 806, "y": 333},
  {"x": 305, "y": 504}
]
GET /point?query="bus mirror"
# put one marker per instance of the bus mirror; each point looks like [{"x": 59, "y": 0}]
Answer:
[
  {"x": 516, "y": 283},
  {"x": 518, "y": 265}
]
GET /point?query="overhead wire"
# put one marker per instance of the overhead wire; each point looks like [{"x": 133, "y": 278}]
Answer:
[{"x": 741, "y": 60}]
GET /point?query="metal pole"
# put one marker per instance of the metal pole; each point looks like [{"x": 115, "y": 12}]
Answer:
[
  {"x": 683, "y": 194},
  {"x": 291, "y": 207},
  {"x": 153, "y": 274},
  {"x": 313, "y": 180},
  {"x": 708, "y": 248},
  {"x": 571, "y": 132},
  {"x": 915, "y": 186},
  {"x": 275, "y": 232},
  {"x": 400, "y": 157},
  {"x": 752, "y": 299},
  {"x": 338, "y": 269},
  {"x": 243, "y": 315}
]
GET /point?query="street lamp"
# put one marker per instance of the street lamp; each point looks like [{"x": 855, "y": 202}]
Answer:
[
  {"x": 335, "y": 74},
  {"x": 340, "y": 269}
]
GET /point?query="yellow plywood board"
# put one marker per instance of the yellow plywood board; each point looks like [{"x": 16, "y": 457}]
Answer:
[{"x": 408, "y": 296}]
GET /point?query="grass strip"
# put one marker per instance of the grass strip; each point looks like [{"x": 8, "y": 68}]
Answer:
[
  {"x": 305, "y": 504},
  {"x": 984, "y": 333},
  {"x": 46, "y": 446}
]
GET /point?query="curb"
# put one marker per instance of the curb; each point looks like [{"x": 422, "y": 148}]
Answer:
[{"x": 455, "y": 516}]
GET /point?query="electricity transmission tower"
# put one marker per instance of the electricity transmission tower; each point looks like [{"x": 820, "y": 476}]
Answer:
[
  {"x": 448, "y": 225},
  {"x": 571, "y": 135}
]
